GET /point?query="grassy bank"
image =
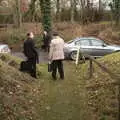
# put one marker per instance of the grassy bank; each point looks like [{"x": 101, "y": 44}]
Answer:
[
  {"x": 41, "y": 99},
  {"x": 75, "y": 98}
]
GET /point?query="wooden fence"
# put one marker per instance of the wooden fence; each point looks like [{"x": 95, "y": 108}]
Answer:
[
  {"x": 3, "y": 27},
  {"x": 105, "y": 69}
]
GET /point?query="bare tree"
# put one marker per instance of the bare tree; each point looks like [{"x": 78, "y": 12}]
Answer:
[
  {"x": 82, "y": 4},
  {"x": 58, "y": 10},
  {"x": 18, "y": 13},
  {"x": 31, "y": 10},
  {"x": 115, "y": 8},
  {"x": 72, "y": 10}
]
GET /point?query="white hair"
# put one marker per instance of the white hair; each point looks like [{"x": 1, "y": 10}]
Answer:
[{"x": 31, "y": 35}]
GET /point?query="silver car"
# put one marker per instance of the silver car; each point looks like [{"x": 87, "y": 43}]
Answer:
[
  {"x": 88, "y": 45},
  {"x": 4, "y": 48}
]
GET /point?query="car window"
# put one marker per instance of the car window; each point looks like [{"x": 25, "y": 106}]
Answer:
[
  {"x": 77, "y": 43},
  {"x": 97, "y": 42},
  {"x": 84, "y": 42}
]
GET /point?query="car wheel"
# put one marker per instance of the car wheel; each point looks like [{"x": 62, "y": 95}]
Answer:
[
  {"x": 117, "y": 51},
  {"x": 73, "y": 55}
]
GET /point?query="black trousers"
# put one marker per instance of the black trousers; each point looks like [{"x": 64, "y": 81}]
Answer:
[
  {"x": 32, "y": 63},
  {"x": 57, "y": 65}
]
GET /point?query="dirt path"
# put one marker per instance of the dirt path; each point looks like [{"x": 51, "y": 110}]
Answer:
[{"x": 62, "y": 99}]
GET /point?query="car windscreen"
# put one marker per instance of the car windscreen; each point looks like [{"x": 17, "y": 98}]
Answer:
[{"x": 70, "y": 41}]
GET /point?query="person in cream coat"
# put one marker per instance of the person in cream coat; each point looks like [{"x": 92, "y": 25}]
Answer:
[{"x": 56, "y": 55}]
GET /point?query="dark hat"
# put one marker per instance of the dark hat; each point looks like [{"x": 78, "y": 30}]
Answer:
[
  {"x": 28, "y": 34},
  {"x": 55, "y": 34}
]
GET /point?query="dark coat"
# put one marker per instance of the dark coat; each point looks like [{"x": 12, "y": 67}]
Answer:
[
  {"x": 47, "y": 39},
  {"x": 29, "y": 49}
]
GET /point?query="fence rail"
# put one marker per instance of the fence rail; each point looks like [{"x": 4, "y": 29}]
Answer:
[
  {"x": 105, "y": 69},
  {"x": 3, "y": 27},
  {"x": 111, "y": 74}
]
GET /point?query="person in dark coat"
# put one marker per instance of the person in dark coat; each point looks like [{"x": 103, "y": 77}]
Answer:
[
  {"x": 31, "y": 53},
  {"x": 46, "y": 40}
]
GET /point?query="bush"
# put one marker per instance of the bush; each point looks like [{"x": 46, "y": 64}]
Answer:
[
  {"x": 38, "y": 41},
  {"x": 6, "y": 19},
  {"x": 15, "y": 38}
]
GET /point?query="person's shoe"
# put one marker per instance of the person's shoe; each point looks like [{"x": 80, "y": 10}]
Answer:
[
  {"x": 62, "y": 78},
  {"x": 34, "y": 76},
  {"x": 54, "y": 78}
]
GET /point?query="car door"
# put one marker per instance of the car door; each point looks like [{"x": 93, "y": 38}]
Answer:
[
  {"x": 99, "y": 48},
  {"x": 85, "y": 46}
]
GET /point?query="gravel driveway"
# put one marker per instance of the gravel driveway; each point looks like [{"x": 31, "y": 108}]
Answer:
[{"x": 43, "y": 56}]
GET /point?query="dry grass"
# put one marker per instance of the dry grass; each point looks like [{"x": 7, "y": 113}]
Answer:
[
  {"x": 14, "y": 37},
  {"x": 110, "y": 36},
  {"x": 68, "y": 31},
  {"x": 103, "y": 90}
]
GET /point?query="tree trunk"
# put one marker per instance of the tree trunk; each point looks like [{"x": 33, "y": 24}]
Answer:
[
  {"x": 32, "y": 10},
  {"x": 117, "y": 12},
  {"x": 18, "y": 14},
  {"x": 99, "y": 5},
  {"x": 75, "y": 10},
  {"x": 46, "y": 14},
  {"x": 82, "y": 3},
  {"x": 88, "y": 4},
  {"x": 72, "y": 11},
  {"x": 58, "y": 10}
]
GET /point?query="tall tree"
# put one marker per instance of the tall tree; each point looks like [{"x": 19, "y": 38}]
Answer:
[
  {"x": 46, "y": 14},
  {"x": 115, "y": 8},
  {"x": 82, "y": 15},
  {"x": 100, "y": 5},
  {"x": 32, "y": 10},
  {"x": 18, "y": 14},
  {"x": 58, "y": 10},
  {"x": 72, "y": 11}
]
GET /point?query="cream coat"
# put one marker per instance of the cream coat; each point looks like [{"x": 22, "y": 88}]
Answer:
[{"x": 56, "y": 49}]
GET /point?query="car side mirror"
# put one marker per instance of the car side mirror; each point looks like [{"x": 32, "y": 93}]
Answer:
[{"x": 104, "y": 45}]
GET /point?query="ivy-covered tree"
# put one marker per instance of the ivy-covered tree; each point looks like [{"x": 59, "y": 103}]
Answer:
[{"x": 46, "y": 14}]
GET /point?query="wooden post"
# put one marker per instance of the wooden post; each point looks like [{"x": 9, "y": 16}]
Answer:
[
  {"x": 112, "y": 75},
  {"x": 91, "y": 68},
  {"x": 77, "y": 57},
  {"x": 119, "y": 101}
]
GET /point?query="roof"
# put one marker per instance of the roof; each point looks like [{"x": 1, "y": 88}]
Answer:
[
  {"x": 3, "y": 45},
  {"x": 78, "y": 38}
]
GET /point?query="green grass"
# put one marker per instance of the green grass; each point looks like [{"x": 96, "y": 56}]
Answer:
[
  {"x": 64, "y": 99},
  {"x": 75, "y": 98}
]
